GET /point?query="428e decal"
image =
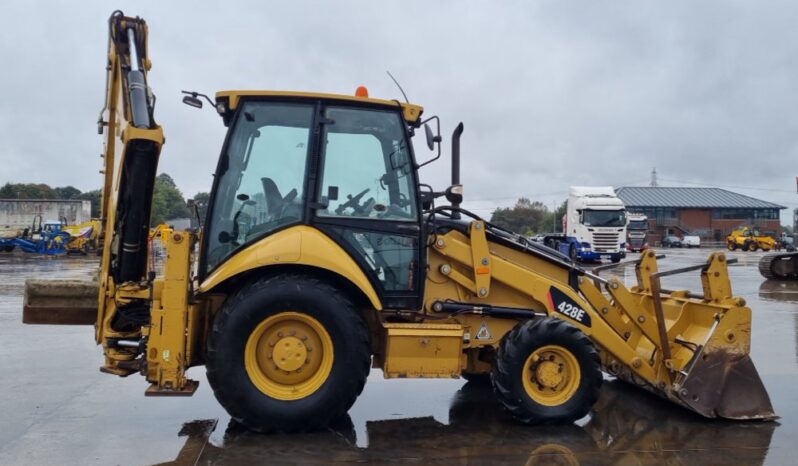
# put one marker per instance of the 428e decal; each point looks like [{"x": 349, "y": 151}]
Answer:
[{"x": 566, "y": 306}]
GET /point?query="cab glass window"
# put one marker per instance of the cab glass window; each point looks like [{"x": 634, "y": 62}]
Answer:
[
  {"x": 367, "y": 166},
  {"x": 261, "y": 176}
]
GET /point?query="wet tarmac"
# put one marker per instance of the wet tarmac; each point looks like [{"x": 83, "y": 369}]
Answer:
[{"x": 57, "y": 408}]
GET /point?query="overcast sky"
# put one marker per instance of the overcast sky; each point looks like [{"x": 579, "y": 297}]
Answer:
[{"x": 552, "y": 93}]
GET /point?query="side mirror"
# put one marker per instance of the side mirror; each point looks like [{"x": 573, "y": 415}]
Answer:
[
  {"x": 192, "y": 101},
  {"x": 454, "y": 194},
  {"x": 432, "y": 138}
]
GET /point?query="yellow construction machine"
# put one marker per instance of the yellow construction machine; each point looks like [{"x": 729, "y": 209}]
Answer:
[
  {"x": 82, "y": 236},
  {"x": 322, "y": 255},
  {"x": 749, "y": 239}
]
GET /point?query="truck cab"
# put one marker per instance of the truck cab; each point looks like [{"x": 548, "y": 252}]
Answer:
[
  {"x": 594, "y": 227},
  {"x": 636, "y": 232}
]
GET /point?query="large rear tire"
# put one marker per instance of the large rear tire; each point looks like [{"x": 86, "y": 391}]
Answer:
[
  {"x": 547, "y": 371},
  {"x": 288, "y": 353}
]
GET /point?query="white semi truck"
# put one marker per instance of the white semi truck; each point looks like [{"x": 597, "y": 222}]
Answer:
[{"x": 594, "y": 226}]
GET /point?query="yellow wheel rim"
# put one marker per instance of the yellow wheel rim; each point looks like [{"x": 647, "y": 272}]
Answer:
[
  {"x": 289, "y": 356},
  {"x": 551, "y": 375}
]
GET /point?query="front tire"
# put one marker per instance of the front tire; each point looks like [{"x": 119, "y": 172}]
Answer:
[
  {"x": 547, "y": 371},
  {"x": 288, "y": 353},
  {"x": 753, "y": 246},
  {"x": 731, "y": 246}
]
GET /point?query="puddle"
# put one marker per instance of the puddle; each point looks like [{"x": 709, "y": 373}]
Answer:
[{"x": 58, "y": 409}]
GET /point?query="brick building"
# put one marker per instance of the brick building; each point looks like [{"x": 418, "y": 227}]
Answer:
[{"x": 710, "y": 213}]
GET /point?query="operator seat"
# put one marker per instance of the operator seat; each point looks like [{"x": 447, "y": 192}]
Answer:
[{"x": 274, "y": 200}]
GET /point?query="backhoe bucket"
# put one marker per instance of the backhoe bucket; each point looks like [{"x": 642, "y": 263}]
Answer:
[
  {"x": 60, "y": 302},
  {"x": 697, "y": 345}
]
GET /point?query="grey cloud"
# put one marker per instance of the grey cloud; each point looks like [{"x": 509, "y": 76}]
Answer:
[{"x": 552, "y": 93}]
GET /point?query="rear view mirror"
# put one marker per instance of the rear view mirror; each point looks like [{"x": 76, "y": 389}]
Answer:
[
  {"x": 430, "y": 136},
  {"x": 192, "y": 101}
]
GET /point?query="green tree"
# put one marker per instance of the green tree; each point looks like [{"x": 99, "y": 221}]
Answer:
[
  {"x": 553, "y": 221},
  {"x": 27, "y": 191},
  {"x": 67, "y": 192},
  {"x": 201, "y": 200},
  {"x": 94, "y": 197},
  {"x": 167, "y": 201},
  {"x": 525, "y": 217}
]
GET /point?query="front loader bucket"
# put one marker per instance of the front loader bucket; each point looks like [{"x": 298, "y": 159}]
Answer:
[
  {"x": 727, "y": 386},
  {"x": 60, "y": 302},
  {"x": 692, "y": 348}
]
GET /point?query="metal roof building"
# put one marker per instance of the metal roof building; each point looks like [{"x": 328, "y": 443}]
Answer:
[
  {"x": 712, "y": 198},
  {"x": 710, "y": 213}
]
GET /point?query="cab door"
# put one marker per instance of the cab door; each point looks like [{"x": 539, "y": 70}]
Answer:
[{"x": 367, "y": 198}]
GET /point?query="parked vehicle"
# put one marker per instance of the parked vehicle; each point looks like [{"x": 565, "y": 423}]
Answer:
[
  {"x": 671, "y": 242},
  {"x": 594, "y": 227},
  {"x": 691, "y": 241},
  {"x": 749, "y": 239},
  {"x": 636, "y": 232}
]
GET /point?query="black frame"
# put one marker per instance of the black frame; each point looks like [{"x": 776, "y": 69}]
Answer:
[{"x": 411, "y": 299}]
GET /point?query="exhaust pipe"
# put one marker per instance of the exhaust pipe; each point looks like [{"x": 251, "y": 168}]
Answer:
[{"x": 456, "y": 188}]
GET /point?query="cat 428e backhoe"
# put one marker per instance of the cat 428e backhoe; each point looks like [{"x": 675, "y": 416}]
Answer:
[{"x": 323, "y": 255}]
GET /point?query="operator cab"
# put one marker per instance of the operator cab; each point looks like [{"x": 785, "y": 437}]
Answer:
[{"x": 342, "y": 164}]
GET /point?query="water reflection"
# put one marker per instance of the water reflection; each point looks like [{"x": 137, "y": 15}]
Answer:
[
  {"x": 627, "y": 427},
  {"x": 779, "y": 290}
]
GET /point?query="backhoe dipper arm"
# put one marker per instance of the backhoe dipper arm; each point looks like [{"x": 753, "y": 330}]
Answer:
[{"x": 132, "y": 147}]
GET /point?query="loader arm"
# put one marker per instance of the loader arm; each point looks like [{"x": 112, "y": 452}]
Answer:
[{"x": 691, "y": 348}]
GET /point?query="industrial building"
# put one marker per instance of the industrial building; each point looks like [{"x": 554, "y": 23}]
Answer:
[
  {"x": 20, "y": 213},
  {"x": 710, "y": 213}
]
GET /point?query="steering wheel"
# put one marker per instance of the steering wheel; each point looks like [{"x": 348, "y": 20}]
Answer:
[
  {"x": 366, "y": 207},
  {"x": 353, "y": 202},
  {"x": 402, "y": 201}
]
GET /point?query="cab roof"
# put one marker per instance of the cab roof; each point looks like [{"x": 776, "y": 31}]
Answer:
[{"x": 412, "y": 112}]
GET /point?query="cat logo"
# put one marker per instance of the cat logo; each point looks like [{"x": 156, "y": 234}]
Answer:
[
  {"x": 566, "y": 306},
  {"x": 484, "y": 332}
]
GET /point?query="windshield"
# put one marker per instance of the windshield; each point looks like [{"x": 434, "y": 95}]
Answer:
[
  {"x": 261, "y": 176},
  {"x": 604, "y": 218},
  {"x": 367, "y": 169},
  {"x": 638, "y": 225}
]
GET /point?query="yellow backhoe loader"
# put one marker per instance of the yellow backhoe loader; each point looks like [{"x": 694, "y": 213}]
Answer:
[{"x": 322, "y": 255}]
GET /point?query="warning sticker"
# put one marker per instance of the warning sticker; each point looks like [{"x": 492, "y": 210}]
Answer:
[
  {"x": 566, "y": 306},
  {"x": 484, "y": 332}
]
